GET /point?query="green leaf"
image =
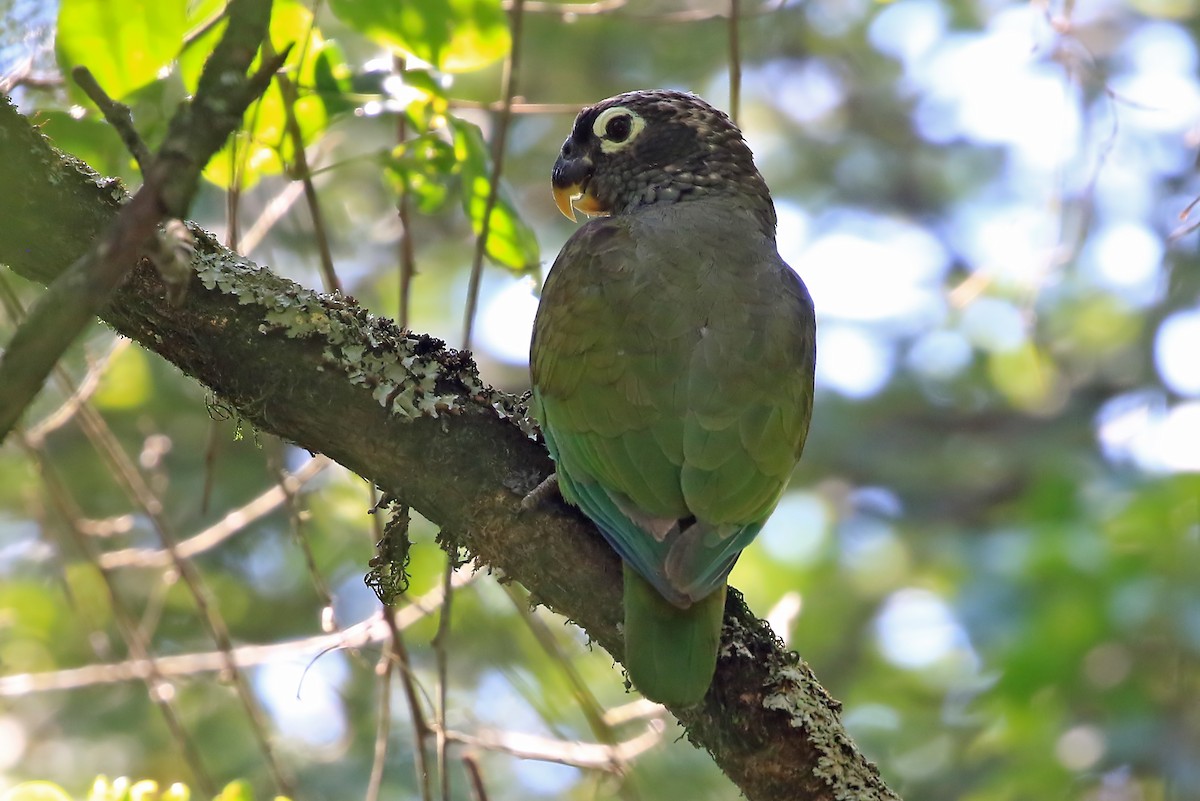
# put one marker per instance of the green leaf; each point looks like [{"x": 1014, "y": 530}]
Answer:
[
  {"x": 331, "y": 80},
  {"x": 124, "y": 789},
  {"x": 105, "y": 790},
  {"x": 177, "y": 792},
  {"x": 197, "y": 50},
  {"x": 1027, "y": 376},
  {"x": 452, "y": 35},
  {"x": 263, "y": 146},
  {"x": 239, "y": 790},
  {"x": 126, "y": 384},
  {"x": 144, "y": 790},
  {"x": 511, "y": 242},
  {"x": 422, "y": 167},
  {"x": 36, "y": 791},
  {"x": 125, "y": 43}
]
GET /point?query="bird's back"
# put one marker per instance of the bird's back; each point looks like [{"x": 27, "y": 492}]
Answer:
[{"x": 672, "y": 365}]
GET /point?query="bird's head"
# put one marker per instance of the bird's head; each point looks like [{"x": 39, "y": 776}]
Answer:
[{"x": 654, "y": 147}]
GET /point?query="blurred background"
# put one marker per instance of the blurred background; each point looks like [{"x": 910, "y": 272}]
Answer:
[{"x": 990, "y": 552}]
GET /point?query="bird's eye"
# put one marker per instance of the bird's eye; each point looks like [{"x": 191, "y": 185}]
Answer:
[{"x": 618, "y": 128}]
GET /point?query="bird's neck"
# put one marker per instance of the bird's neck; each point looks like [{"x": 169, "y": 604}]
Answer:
[{"x": 729, "y": 195}]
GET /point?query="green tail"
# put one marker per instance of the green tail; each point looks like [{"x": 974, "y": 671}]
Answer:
[{"x": 670, "y": 653}]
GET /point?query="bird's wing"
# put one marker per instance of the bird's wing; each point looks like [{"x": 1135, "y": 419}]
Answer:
[
  {"x": 749, "y": 405},
  {"x": 605, "y": 372}
]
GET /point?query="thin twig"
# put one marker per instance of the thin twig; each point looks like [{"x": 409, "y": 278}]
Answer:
[
  {"x": 232, "y": 523},
  {"x": 270, "y": 215},
  {"x": 593, "y": 713},
  {"x": 132, "y": 481},
  {"x": 203, "y": 27},
  {"x": 81, "y": 394},
  {"x": 383, "y": 720},
  {"x": 638, "y": 709},
  {"x": 442, "y": 657},
  {"x": 303, "y": 173},
  {"x": 118, "y": 115},
  {"x": 408, "y": 682},
  {"x": 16, "y": 75},
  {"x": 593, "y": 756},
  {"x": 161, "y": 691},
  {"x": 694, "y": 15},
  {"x": 359, "y": 635},
  {"x": 155, "y": 603},
  {"x": 621, "y": 8},
  {"x": 511, "y": 66},
  {"x": 408, "y": 265},
  {"x": 233, "y": 192},
  {"x": 212, "y": 452},
  {"x": 36, "y": 434},
  {"x": 291, "y": 503},
  {"x": 374, "y": 629},
  {"x": 239, "y": 152},
  {"x": 571, "y": 9},
  {"x": 397, "y": 655},
  {"x": 518, "y": 107},
  {"x": 474, "y": 778}
]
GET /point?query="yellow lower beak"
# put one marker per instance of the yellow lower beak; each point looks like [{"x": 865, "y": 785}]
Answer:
[
  {"x": 570, "y": 198},
  {"x": 564, "y": 197}
]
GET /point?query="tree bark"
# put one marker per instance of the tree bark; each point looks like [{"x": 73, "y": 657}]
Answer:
[{"x": 411, "y": 415}]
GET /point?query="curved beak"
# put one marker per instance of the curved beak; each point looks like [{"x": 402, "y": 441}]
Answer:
[
  {"x": 564, "y": 197},
  {"x": 570, "y": 181}
]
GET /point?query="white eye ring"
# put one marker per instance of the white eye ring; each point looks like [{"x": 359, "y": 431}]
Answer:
[{"x": 600, "y": 127}]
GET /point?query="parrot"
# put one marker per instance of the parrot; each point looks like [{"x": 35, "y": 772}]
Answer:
[{"x": 672, "y": 364}]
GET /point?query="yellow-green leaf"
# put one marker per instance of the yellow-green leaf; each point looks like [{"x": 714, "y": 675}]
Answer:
[
  {"x": 126, "y": 383},
  {"x": 1028, "y": 377},
  {"x": 422, "y": 167},
  {"x": 511, "y": 242},
  {"x": 239, "y": 790},
  {"x": 125, "y": 43},
  {"x": 452, "y": 35},
  {"x": 263, "y": 146},
  {"x": 177, "y": 792},
  {"x": 36, "y": 791}
]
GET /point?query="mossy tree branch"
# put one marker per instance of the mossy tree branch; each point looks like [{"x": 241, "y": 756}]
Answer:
[
  {"x": 197, "y": 131},
  {"x": 412, "y": 416}
]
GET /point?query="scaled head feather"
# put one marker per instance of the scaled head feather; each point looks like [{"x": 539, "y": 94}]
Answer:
[{"x": 658, "y": 146}]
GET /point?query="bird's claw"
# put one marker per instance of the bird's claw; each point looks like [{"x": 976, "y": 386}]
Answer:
[{"x": 541, "y": 493}]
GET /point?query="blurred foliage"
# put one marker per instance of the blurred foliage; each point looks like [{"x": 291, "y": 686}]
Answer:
[
  {"x": 125, "y": 45},
  {"x": 122, "y": 789},
  {"x": 991, "y": 553},
  {"x": 450, "y": 35}
]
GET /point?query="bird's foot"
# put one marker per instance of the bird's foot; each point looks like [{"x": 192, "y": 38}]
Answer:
[{"x": 541, "y": 493}]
